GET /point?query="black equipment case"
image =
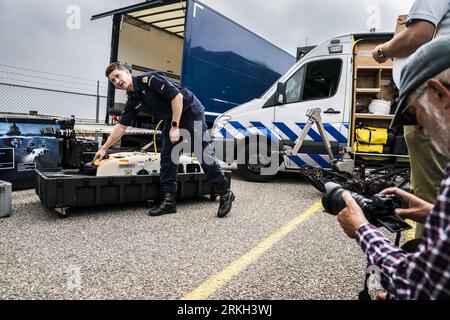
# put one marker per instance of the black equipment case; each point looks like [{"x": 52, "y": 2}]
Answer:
[
  {"x": 59, "y": 188},
  {"x": 23, "y": 147}
]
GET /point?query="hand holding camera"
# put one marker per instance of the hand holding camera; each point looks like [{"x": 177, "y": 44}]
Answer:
[
  {"x": 353, "y": 213},
  {"x": 413, "y": 207},
  {"x": 351, "y": 218}
]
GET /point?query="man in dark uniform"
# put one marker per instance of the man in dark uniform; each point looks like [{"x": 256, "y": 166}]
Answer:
[{"x": 179, "y": 108}]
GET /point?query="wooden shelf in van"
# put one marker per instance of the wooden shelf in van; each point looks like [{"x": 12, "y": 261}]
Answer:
[
  {"x": 381, "y": 155},
  {"x": 368, "y": 90},
  {"x": 379, "y": 67},
  {"x": 374, "y": 116}
]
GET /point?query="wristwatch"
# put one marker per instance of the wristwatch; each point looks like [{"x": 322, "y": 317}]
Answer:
[
  {"x": 380, "y": 53},
  {"x": 174, "y": 124}
]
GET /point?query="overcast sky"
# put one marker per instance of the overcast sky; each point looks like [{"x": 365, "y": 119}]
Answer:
[{"x": 34, "y": 34}]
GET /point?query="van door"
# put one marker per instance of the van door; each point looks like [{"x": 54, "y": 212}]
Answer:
[{"x": 318, "y": 83}]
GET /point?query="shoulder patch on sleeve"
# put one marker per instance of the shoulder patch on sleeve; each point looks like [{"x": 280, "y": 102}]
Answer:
[
  {"x": 157, "y": 84},
  {"x": 144, "y": 80}
]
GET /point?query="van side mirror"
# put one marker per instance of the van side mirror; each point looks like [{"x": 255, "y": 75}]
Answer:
[{"x": 280, "y": 95}]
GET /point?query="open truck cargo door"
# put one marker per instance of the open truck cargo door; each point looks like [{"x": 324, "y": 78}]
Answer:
[{"x": 221, "y": 62}]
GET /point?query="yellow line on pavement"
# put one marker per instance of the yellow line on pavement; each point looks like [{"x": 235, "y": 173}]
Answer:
[
  {"x": 411, "y": 234},
  {"x": 219, "y": 279}
]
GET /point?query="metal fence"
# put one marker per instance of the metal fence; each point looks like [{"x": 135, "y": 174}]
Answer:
[{"x": 23, "y": 90}]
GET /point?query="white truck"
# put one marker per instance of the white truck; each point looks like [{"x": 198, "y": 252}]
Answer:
[{"x": 341, "y": 81}]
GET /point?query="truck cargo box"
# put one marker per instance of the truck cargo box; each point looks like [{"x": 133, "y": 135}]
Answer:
[
  {"x": 70, "y": 188},
  {"x": 223, "y": 63}
]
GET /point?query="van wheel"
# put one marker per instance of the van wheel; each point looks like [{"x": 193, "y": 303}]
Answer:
[{"x": 254, "y": 163}]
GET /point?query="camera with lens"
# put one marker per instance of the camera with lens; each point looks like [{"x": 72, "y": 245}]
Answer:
[{"x": 379, "y": 209}]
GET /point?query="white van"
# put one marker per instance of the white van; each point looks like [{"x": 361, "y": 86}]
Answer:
[{"x": 342, "y": 79}]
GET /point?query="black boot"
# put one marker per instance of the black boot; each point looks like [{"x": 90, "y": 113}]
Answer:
[
  {"x": 168, "y": 205},
  {"x": 226, "y": 201}
]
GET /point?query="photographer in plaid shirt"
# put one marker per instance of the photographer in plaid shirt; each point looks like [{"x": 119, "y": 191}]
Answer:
[{"x": 424, "y": 101}]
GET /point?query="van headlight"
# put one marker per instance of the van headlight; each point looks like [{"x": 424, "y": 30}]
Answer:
[{"x": 221, "y": 122}]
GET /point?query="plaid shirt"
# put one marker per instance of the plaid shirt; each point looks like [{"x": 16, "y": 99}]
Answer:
[{"x": 424, "y": 274}]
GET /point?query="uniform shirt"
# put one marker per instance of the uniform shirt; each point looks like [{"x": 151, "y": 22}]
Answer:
[
  {"x": 435, "y": 11},
  {"x": 424, "y": 274},
  {"x": 154, "y": 94}
]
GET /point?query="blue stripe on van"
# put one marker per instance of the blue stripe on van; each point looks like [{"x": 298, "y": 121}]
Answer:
[
  {"x": 297, "y": 161},
  {"x": 314, "y": 135},
  {"x": 319, "y": 160},
  {"x": 226, "y": 134},
  {"x": 240, "y": 128},
  {"x": 264, "y": 130},
  {"x": 335, "y": 133},
  {"x": 285, "y": 129}
]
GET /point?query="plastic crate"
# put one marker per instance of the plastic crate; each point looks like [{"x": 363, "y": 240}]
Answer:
[{"x": 69, "y": 188}]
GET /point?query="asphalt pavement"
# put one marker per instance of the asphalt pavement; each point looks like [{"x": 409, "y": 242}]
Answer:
[{"x": 122, "y": 253}]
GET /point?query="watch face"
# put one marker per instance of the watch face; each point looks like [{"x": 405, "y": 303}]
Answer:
[{"x": 174, "y": 124}]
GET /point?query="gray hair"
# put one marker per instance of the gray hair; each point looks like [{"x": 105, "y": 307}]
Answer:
[{"x": 444, "y": 76}]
